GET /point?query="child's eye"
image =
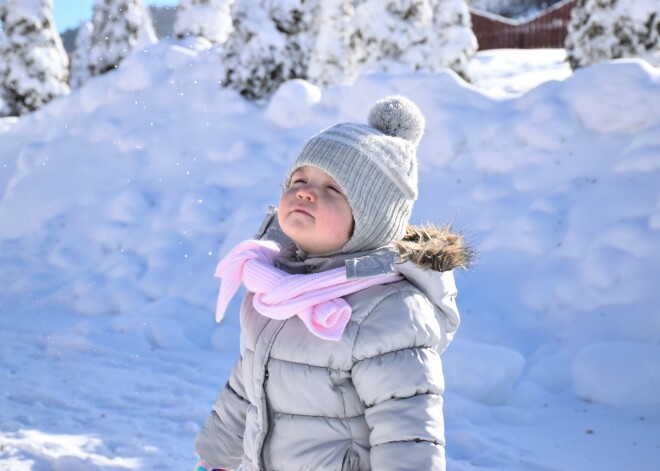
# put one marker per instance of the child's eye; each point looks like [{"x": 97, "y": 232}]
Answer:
[
  {"x": 298, "y": 180},
  {"x": 334, "y": 188}
]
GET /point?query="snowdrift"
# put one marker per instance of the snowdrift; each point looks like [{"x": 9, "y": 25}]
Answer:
[{"x": 117, "y": 201}]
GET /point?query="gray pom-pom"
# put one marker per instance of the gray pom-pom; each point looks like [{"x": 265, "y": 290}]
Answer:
[{"x": 399, "y": 117}]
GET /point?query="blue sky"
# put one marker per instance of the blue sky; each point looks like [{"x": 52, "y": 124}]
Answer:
[{"x": 70, "y": 13}]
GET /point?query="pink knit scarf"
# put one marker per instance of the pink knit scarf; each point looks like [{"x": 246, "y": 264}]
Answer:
[{"x": 315, "y": 298}]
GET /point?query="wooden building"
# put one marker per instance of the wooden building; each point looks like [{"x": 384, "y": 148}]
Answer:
[{"x": 547, "y": 29}]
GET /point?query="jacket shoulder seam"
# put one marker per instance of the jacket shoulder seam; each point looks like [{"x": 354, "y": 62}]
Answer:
[
  {"x": 410, "y": 289},
  {"x": 413, "y": 347}
]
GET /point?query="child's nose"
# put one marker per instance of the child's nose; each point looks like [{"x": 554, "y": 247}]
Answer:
[{"x": 306, "y": 192}]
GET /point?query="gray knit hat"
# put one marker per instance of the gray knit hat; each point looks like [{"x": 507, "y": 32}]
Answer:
[{"x": 376, "y": 167}]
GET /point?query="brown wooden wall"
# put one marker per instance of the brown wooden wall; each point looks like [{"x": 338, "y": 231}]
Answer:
[{"x": 547, "y": 29}]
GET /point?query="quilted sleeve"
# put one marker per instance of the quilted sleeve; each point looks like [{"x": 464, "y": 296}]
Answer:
[
  {"x": 398, "y": 376},
  {"x": 220, "y": 440}
]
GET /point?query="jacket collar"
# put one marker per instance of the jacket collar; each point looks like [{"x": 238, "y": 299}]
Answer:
[
  {"x": 358, "y": 264},
  {"x": 436, "y": 285}
]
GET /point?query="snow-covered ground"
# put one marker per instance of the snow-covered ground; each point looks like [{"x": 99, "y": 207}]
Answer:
[{"x": 117, "y": 201}]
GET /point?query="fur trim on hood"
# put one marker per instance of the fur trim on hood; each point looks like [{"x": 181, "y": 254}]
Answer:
[{"x": 435, "y": 248}]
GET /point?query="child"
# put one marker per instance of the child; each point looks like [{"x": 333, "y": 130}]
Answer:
[{"x": 342, "y": 328}]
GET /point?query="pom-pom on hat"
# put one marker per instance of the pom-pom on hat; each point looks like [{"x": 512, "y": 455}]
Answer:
[{"x": 375, "y": 165}]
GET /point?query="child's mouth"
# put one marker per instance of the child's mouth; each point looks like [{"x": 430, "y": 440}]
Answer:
[{"x": 301, "y": 211}]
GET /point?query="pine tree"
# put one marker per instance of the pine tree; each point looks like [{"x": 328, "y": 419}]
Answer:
[
  {"x": 298, "y": 21},
  {"x": 80, "y": 57},
  {"x": 610, "y": 29},
  {"x": 34, "y": 66},
  {"x": 252, "y": 56},
  {"x": 119, "y": 26},
  {"x": 414, "y": 35},
  {"x": 393, "y": 35},
  {"x": 271, "y": 43},
  {"x": 210, "y": 19},
  {"x": 454, "y": 41},
  {"x": 332, "y": 59},
  {"x": 5, "y": 110}
]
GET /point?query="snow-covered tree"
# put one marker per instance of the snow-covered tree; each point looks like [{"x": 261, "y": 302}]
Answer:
[
  {"x": 80, "y": 58},
  {"x": 298, "y": 21},
  {"x": 455, "y": 42},
  {"x": 253, "y": 55},
  {"x": 34, "y": 65},
  {"x": 333, "y": 59},
  {"x": 610, "y": 29},
  {"x": 210, "y": 19},
  {"x": 271, "y": 43},
  {"x": 411, "y": 35},
  {"x": 5, "y": 110},
  {"x": 119, "y": 26},
  {"x": 393, "y": 35}
]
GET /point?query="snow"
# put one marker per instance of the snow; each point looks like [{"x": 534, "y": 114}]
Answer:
[
  {"x": 414, "y": 35},
  {"x": 292, "y": 104},
  {"x": 602, "y": 373},
  {"x": 79, "y": 71},
  {"x": 271, "y": 43},
  {"x": 605, "y": 30},
  {"x": 331, "y": 60},
  {"x": 117, "y": 29},
  {"x": 117, "y": 201},
  {"x": 34, "y": 63},
  {"x": 208, "y": 19},
  {"x": 481, "y": 372}
]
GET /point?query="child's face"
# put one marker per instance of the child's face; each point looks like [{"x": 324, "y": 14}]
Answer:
[{"x": 314, "y": 212}]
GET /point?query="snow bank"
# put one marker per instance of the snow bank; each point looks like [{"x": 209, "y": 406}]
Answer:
[
  {"x": 483, "y": 373},
  {"x": 117, "y": 201},
  {"x": 65, "y": 452},
  {"x": 606, "y": 96},
  {"x": 621, "y": 374},
  {"x": 292, "y": 104}
]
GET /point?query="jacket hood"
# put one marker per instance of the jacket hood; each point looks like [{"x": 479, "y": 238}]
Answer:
[
  {"x": 434, "y": 248},
  {"x": 427, "y": 257}
]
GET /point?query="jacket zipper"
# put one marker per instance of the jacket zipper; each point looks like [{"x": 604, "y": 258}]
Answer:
[
  {"x": 265, "y": 445},
  {"x": 265, "y": 448}
]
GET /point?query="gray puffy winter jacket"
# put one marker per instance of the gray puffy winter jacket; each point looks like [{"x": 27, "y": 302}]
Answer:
[{"x": 373, "y": 400}]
